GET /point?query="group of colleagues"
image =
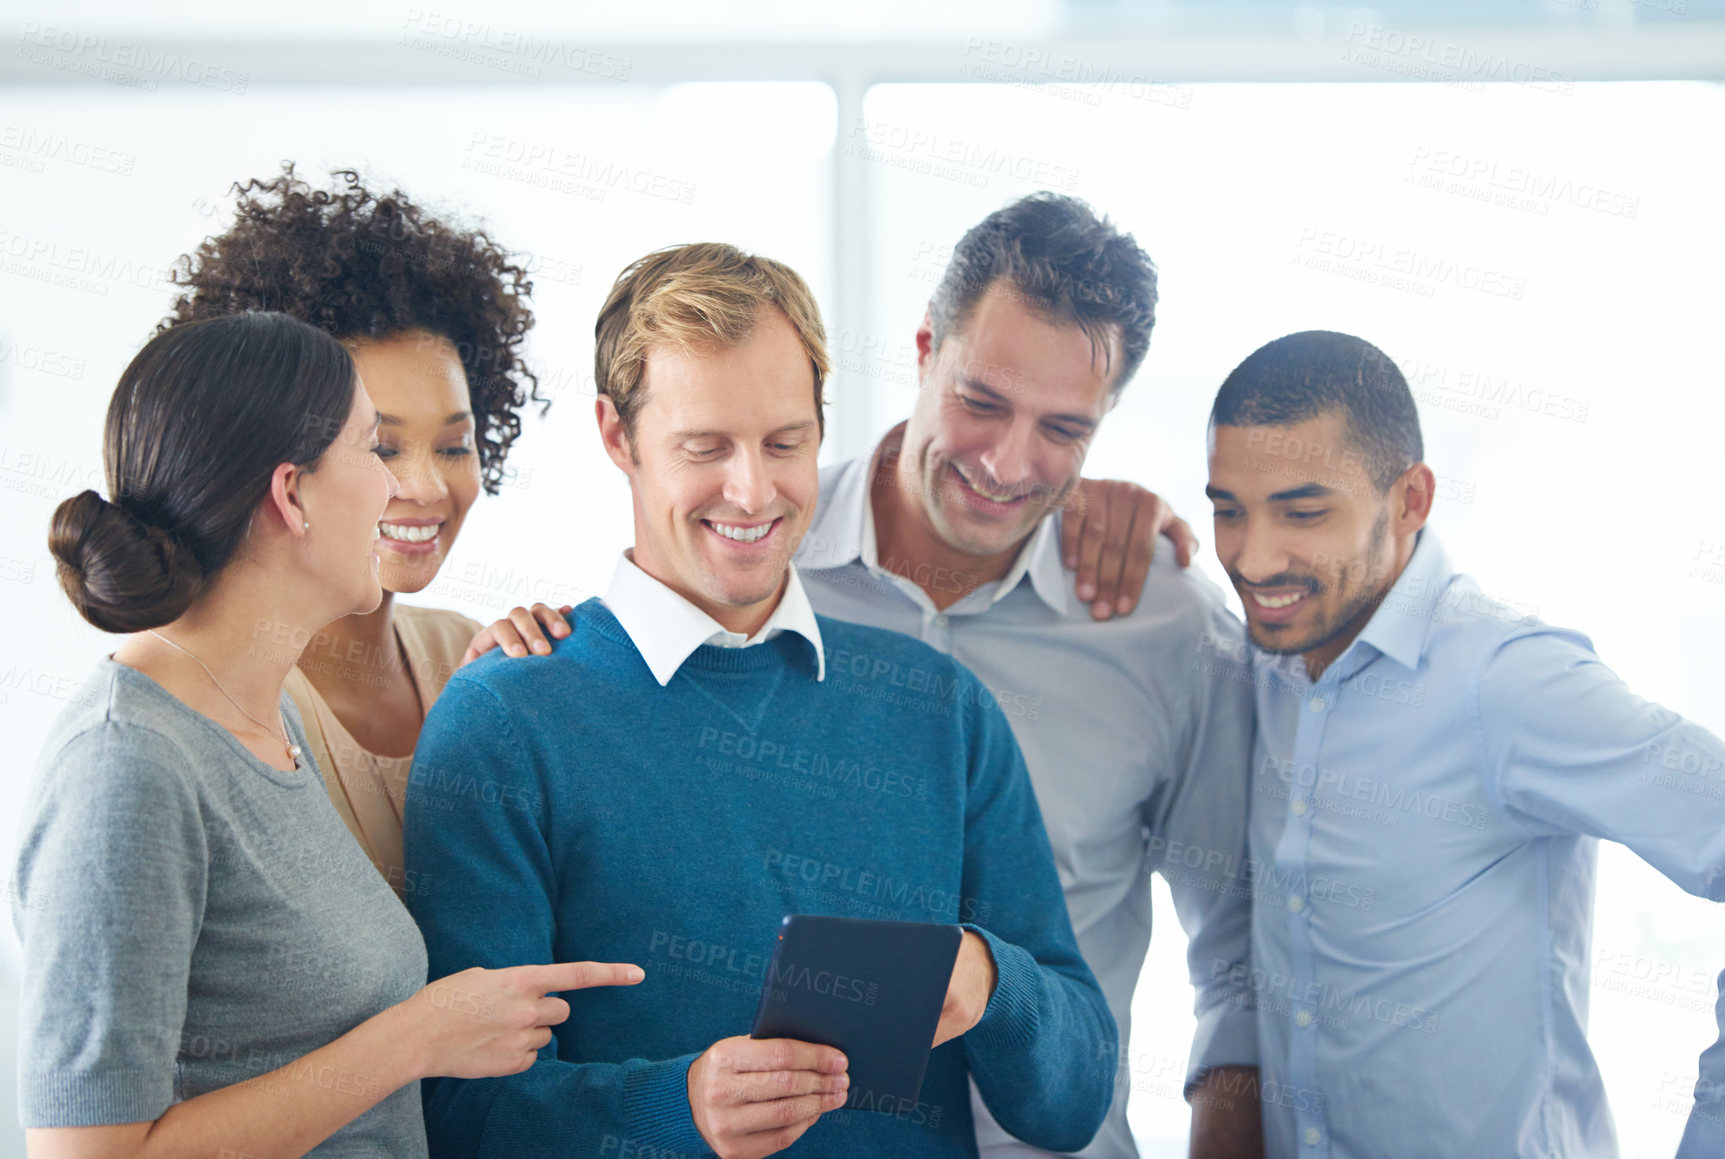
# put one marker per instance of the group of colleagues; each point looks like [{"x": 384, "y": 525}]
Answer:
[{"x": 944, "y": 681}]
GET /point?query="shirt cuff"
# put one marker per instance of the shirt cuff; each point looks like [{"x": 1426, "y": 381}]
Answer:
[
  {"x": 656, "y": 1109},
  {"x": 1013, "y": 1015},
  {"x": 1227, "y": 1035}
]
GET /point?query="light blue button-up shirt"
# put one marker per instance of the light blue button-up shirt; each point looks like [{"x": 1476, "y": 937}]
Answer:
[
  {"x": 1137, "y": 734},
  {"x": 1425, "y": 819}
]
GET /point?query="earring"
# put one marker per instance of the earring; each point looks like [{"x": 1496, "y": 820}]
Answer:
[{"x": 306, "y": 526}]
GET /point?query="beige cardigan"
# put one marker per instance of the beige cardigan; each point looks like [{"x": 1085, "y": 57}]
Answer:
[{"x": 369, "y": 790}]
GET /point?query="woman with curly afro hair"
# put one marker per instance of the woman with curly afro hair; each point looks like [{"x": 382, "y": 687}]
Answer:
[{"x": 434, "y": 316}]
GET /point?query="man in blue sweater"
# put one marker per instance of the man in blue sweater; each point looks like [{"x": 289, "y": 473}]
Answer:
[{"x": 703, "y": 755}]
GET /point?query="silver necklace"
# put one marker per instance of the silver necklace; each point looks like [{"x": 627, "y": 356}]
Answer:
[{"x": 293, "y": 750}]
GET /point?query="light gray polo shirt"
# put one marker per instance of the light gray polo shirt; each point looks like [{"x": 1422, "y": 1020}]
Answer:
[
  {"x": 193, "y": 918},
  {"x": 1138, "y": 736}
]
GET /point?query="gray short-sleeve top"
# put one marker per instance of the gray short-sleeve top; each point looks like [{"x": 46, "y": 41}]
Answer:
[{"x": 193, "y": 918}]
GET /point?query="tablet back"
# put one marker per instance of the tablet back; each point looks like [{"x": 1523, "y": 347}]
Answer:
[{"x": 872, "y": 989}]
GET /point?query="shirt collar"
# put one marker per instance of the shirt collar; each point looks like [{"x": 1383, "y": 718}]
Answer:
[
  {"x": 844, "y": 532},
  {"x": 843, "y": 521},
  {"x": 1040, "y": 557},
  {"x": 1398, "y": 628},
  {"x": 666, "y": 628}
]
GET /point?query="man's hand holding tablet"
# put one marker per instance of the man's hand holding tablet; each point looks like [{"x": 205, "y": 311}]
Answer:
[
  {"x": 863, "y": 982},
  {"x": 754, "y": 1097}
]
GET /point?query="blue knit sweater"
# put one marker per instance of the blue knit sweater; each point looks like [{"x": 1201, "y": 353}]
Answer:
[{"x": 567, "y": 807}]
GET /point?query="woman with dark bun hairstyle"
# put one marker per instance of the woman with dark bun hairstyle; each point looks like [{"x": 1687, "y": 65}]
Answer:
[
  {"x": 211, "y": 965},
  {"x": 434, "y": 317}
]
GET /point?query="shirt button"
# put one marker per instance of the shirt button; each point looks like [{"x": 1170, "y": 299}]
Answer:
[
  {"x": 1299, "y": 808},
  {"x": 1303, "y": 1018},
  {"x": 940, "y": 621},
  {"x": 1312, "y": 1136},
  {"x": 1296, "y": 903},
  {"x": 1317, "y": 704}
]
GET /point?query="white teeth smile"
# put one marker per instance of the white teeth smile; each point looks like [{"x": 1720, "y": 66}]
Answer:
[
  {"x": 409, "y": 534},
  {"x": 989, "y": 495},
  {"x": 1278, "y": 601},
  {"x": 742, "y": 534}
]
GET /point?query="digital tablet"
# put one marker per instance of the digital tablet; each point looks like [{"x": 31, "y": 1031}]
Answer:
[{"x": 872, "y": 989}]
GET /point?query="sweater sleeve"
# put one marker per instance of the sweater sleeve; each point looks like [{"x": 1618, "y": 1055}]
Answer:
[
  {"x": 475, "y": 837},
  {"x": 1045, "y": 1053},
  {"x": 107, "y": 899}
]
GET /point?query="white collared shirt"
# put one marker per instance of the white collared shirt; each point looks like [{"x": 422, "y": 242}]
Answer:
[{"x": 666, "y": 628}]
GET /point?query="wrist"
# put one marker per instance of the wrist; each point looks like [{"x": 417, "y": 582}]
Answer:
[
  {"x": 407, "y": 1036},
  {"x": 1014, "y": 1009},
  {"x": 690, "y": 1084},
  {"x": 986, "y": 973},
  {"x": 991, "y": 970}
]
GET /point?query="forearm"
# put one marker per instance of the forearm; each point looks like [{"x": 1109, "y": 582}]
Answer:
[
  {"x": 1046, "y": 1052},
  {"x": 286, "y": 1111},
  {"x": 1219, "y": 961},
  {"x": 1226, "y": 1121}
]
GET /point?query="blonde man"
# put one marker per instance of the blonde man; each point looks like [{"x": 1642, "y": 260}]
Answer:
[{"x": 703, "y": 754}]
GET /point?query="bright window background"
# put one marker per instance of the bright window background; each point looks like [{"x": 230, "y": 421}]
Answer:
[{"x": 1257, "y": 202}]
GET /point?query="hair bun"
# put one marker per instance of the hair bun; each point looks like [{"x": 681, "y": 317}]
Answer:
[{"x": 121, "y": 573}]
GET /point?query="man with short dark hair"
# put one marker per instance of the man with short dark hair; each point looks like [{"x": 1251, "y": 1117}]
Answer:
[
  {"x": 1137, "y": 733},
  {"x": 1431, "y": 777}
]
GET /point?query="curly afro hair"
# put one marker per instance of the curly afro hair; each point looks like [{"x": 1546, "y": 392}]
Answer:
[{"x": 360, "y": 265}]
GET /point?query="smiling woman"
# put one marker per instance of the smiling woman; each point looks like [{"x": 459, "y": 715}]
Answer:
[{"x": 434, "y": 317}]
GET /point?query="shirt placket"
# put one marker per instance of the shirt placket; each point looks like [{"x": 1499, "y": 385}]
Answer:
[
  {"x": 937, "y": 625},
  {"x": 1293, "y": 854},
  {"x": 937, "y": 630}
]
